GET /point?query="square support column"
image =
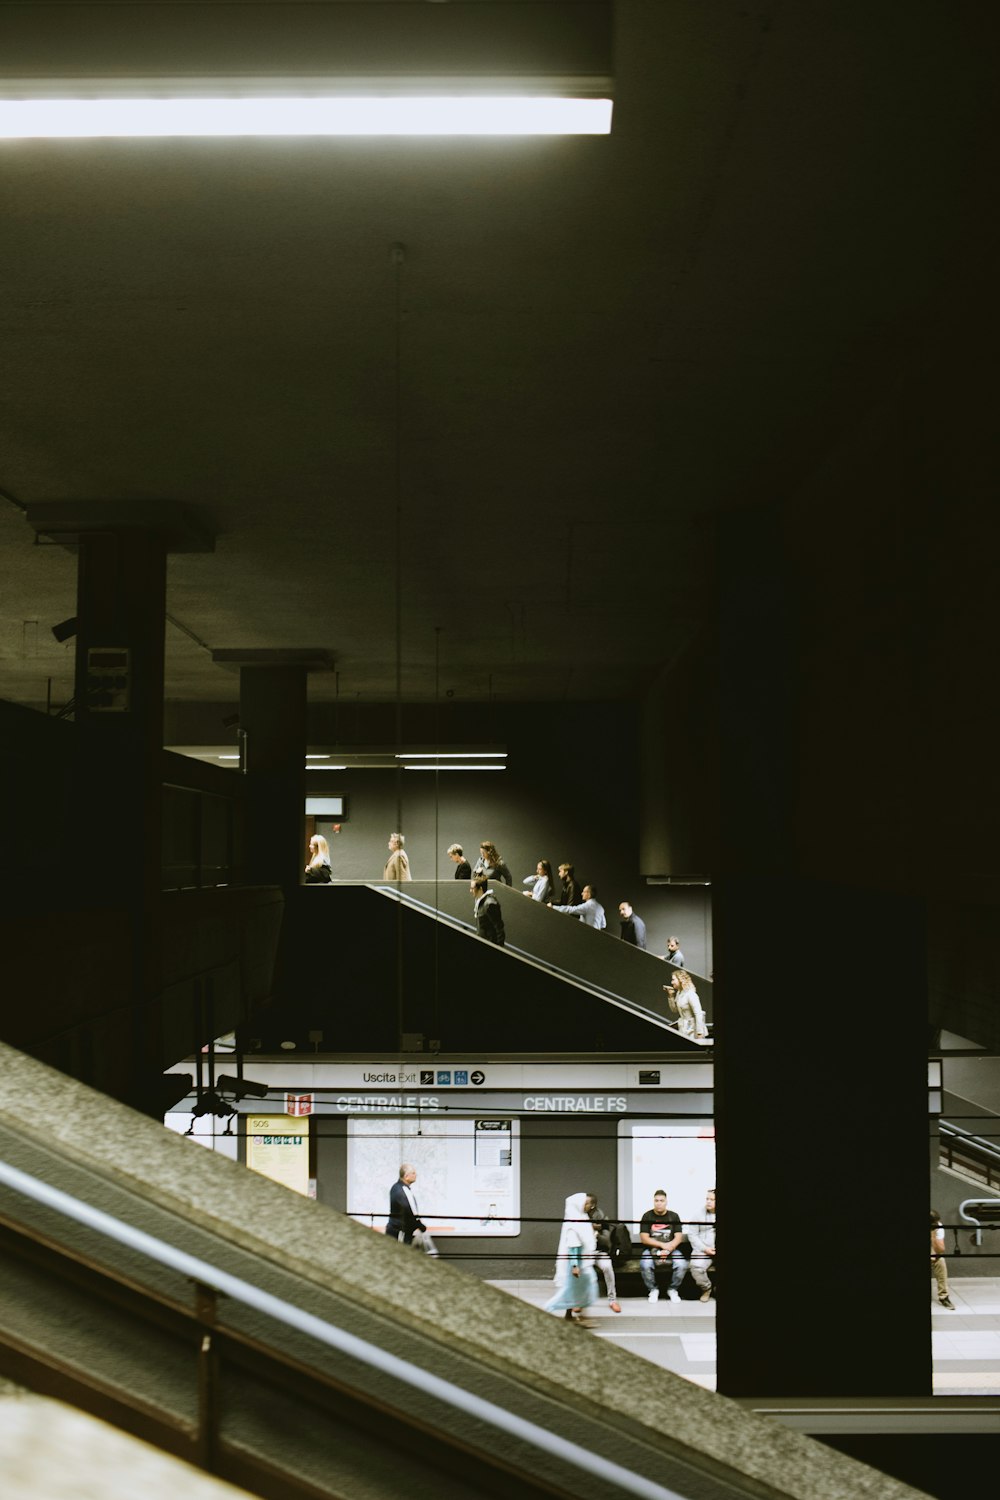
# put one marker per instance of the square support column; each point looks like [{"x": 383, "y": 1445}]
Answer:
[
  {"x": 820, "y": 1010},
  {"x": 273, "y": 733}
]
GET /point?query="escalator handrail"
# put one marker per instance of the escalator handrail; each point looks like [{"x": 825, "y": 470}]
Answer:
[
  {"x": 345, "y": 1343},
  {"x": 402, "y": 889},
  {"x": 984, "y": 1147},
  {"x": 461, "y": 924}
]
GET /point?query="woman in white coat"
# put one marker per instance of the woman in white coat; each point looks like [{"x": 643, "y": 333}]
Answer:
[{"x": 684, "y": 1000}]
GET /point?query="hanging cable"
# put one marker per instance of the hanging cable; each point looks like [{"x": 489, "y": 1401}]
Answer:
[{"x": 397, "y": 256}]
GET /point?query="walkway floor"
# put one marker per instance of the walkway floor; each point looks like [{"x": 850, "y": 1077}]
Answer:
[{"x": 680, "y": 1336}]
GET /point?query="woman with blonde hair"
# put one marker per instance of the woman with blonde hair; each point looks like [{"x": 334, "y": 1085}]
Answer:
[
  {"x": 318, "y": 868},
  {"x": 684, "y": 1001}
]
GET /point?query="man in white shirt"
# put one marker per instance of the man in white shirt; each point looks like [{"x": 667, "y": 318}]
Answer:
[
  {"x": 938, "y": 1267},
  {"x": 701, "y": 1238},
  {"x": 590, "y": 909}
]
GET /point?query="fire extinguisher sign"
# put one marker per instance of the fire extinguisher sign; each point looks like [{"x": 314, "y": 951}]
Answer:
[{"x": 298, "y": 1104}]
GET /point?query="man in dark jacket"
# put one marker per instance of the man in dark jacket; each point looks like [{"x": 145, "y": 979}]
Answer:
[
  {"x": 571, "y": 894},
  {"x": 633, "y": 928},
  {"x": 489, "y": 917},
  {"x": 403, "y": 1221},
  {"x": 673, "y": 954},
  {"x": 463, "y": 870}
]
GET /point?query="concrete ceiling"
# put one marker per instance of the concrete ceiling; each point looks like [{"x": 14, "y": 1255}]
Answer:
[{"x": 603, "y": 343}]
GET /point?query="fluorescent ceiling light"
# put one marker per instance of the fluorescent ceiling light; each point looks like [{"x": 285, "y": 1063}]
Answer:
[
  {"x": 451, "y": 755},
  {"x": 455, "y": 768},
  {"x": 228, "y": 757},
  {"x": 317, "y": 757},
  {"x": 325, "y": 768},
  {"x": 333, "y": 114}
]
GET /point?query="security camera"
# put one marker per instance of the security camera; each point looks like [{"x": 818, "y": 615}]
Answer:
[{"x": 241, "y": 1088}]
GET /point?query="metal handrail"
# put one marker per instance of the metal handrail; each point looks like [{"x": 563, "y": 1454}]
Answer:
[
  {"x": 345, "y": 1343},
  {"x": 981, "y": 1144},
  {"x": 545, "y": 966},
  {"x": 993, "y": 1203},
  {"x": 969, "y": 1154},
  {"x": 405, "y": 889}
]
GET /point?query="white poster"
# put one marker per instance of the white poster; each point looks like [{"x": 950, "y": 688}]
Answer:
[
  {"x": 676, "y": 1156},
  {"x": 468, "y": 1172}
]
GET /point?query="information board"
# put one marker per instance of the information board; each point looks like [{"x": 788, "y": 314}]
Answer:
[
  {"x": 278, "y": 1147},
  {"x": 468, "y": 1172}
]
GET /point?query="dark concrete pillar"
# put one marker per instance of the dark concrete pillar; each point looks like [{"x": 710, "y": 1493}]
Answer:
[
  {"x": 273, "y": 732},
  {"x": 820, "y": 1017},
  {"x": 678, "y": 776},
  {"x": 121, "y": 605},
  {"x": 273, "y": 727},
  {"x": 114, "y": 848}
]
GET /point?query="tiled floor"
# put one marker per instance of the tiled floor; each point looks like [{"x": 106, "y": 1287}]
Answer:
[{"x": 680, "y": 1336}]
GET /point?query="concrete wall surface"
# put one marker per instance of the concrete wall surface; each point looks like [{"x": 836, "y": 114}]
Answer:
[{"x": 50, "y": 1450}]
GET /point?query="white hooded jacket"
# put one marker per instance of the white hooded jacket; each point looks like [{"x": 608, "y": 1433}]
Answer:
[{"x": 577, "y": 1231}]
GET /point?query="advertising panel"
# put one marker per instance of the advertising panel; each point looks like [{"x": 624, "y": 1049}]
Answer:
[{"x": 674, "y": 1155}]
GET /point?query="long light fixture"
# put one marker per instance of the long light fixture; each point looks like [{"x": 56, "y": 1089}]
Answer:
[
  {"x": 452, "y": 760},
  {"x": 451, "y": 766},
  {"x": 372, "y": 759},
  {"x": 449, "y": 113},
  {"x": 98, "y": 68}
]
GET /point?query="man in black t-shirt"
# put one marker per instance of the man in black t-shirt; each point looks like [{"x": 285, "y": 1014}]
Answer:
[{"x": 662, "y": 1234}]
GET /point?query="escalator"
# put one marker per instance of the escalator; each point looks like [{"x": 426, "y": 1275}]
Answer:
[
  {"x": 281, "y": 1346},
  {"x": 563, "y": 947},
  {"x": 371, "y": 962}
]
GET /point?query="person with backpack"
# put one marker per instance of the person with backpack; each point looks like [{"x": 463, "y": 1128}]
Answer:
[
  {"x": 603, "y": 1260},
  {"x": 488, "y": 914}
]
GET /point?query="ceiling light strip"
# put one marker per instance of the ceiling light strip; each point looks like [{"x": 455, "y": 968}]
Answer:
[
  {"x": 453, "y": 767},
  {"x": 332, "y": 115},
  {"x": 451, "y": 755}
]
